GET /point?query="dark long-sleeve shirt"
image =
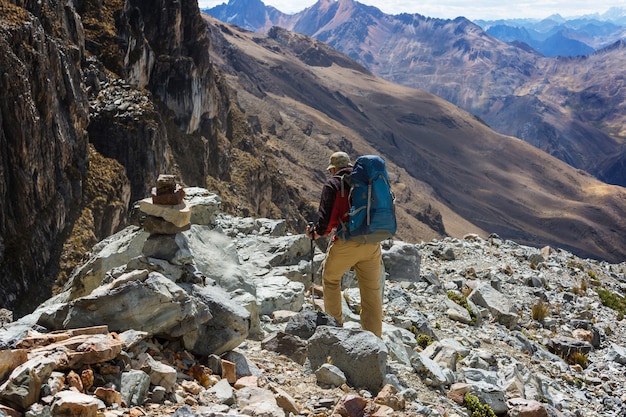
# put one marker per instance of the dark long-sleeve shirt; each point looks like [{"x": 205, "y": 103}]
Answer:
[{"x": 332, "y": 211}]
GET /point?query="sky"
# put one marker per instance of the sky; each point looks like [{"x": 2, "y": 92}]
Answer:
[{"x": 471, "y": 9}]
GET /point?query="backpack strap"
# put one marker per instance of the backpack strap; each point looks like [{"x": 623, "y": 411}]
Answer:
[{"x": 342, "y": 190}]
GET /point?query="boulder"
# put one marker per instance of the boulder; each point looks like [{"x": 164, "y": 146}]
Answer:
[
  {"x": 227, "y": 328},
  {"x": 499, "y": 306},
  {"x": 402, "y": 261},
  {"x": 345, "y": 348}
]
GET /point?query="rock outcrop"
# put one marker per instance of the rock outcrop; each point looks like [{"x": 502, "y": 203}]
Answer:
[
  {"x": 89, "y": 88},
  {"x": 44, "y": 117}
]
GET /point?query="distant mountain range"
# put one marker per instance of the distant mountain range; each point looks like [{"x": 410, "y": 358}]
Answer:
[
  {"x": 557, "y": 36},
  {"x": 570, "y": 107}
]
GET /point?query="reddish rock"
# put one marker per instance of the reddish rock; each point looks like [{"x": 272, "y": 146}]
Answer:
[
  {"x": 72, "y": 403},
  {"x": 521, "y": 407},
  {"x": 11, "y": 359},
  {"x": 108, "y": 395},
  {"x": 389, "y": 396},
  {"x": 229, "y": 372}
]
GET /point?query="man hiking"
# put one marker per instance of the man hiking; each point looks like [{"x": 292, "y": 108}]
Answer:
[{"x": 343, "y": 254}]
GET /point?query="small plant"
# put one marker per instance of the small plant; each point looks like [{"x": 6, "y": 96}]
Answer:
[
  {"x": 578, "y": 358},
  {"x": 592, "y": 275},
  {"x": 575, "y": 265},
  {"x": 462, "y": 301},
  {"x": 423, "y": 340},
  {"x": 540, "y": 311},
  {"x": 613, "y": 301},
  {"x": 583, "y": 285},
  {"x": 608, "y": 330},
  {"x": 475, "y": 407}
]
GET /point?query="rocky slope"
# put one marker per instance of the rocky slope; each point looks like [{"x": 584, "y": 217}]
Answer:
[{"x": 524, "y": 331}]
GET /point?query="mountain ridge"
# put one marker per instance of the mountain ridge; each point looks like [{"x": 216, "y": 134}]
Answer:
[
  {"x": 507, "y": 86},
  {"x": 413, "y": 130}
]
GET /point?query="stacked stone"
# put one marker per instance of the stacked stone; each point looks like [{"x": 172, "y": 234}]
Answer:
[{"x": 167, "y": 215}]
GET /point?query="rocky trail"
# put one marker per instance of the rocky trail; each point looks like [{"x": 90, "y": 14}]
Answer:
[{"x": 205, "y": 314}]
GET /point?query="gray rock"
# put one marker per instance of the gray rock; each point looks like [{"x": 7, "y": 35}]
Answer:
[
  {"x": 138, "y": 300},
  {"x": 225, "y": 330},
  {"x": 288, "y": 345},
  {"x": 22, "y": 388},
  {"x": 306, "y": 322},
  {"x": 172, "y": 248},
  {"x": 257, "y": 401},
  {"x": 279, "y": 293},
  {"x": 204, "y": 205},
  {"x": 328, "y": 374},
  {"x": 617, "y": 354},
  {"x": 566, "y": 346},
  {"x": 216, "y": 256},
  {"x": 346, "y": 347},
  {"x": 499, "y": 306},
  {"x": 402, "y": 261},
  {"x": 431, "y": 372},
  {"x": 457, "y": 312},
  {"x": 224, "y": 392},
  {"x": 114, "y": 251},
  {"x": 243, "y": 367},
  {"x": 160, "y": 373},
  {"x": 400, "y": 343},
  {"x": 134, "y": 387}
]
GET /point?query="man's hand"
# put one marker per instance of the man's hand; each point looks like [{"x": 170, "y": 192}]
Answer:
[{"x": 310, "y": 231}]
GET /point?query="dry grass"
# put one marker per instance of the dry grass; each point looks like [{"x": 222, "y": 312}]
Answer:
[
  {"x": 12, "y": 15},
  {"x": 540, "y": 311}
]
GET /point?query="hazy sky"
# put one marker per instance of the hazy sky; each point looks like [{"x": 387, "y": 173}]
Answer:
[{"x": 471, "y": 9}]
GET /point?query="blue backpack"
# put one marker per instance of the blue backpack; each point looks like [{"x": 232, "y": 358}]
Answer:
[{"x": 372, "y": 215}]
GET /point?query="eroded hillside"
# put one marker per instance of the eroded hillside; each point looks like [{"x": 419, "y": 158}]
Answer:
[{"x": 440, "y": 157}]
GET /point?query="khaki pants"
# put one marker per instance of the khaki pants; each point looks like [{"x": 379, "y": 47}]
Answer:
[{"x": 366, "y": 258}]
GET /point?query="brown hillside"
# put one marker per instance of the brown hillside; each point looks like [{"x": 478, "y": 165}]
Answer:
[{"x": 439, "y": 156}]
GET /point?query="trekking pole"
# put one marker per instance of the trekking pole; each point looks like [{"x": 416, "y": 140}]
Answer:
[{"x": 312, "y": 235}]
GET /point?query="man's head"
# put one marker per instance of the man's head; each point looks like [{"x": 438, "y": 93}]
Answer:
[{"x": 339, "y": 160}]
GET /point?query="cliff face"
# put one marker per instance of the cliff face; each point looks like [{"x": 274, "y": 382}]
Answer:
[
  {"x": 97, "y": 99},
  {"x": 43, "y": 137}
]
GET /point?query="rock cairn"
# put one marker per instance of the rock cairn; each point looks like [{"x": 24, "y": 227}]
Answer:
[{"x": 167, "y": 215}]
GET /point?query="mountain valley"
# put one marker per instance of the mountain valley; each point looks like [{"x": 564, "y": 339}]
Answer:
[{"x": 571, "y": 108}]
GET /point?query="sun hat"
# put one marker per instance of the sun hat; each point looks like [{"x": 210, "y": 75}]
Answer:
[{"x": 339, "y": 160}]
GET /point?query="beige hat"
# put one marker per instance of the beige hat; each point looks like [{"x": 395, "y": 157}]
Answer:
[{"x": 339, "y": 160}]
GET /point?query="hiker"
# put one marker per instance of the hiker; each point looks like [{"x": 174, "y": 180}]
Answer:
[{"x": 343, "y": 254}]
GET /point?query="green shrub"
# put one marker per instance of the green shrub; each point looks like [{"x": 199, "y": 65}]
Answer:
[
  {"x": 477, "y": 409},
  {"x": 424, "y": 340},
  {"x": 578, "y": 358},
  {"x": 613, "y": 301},
  {"x": 462, "y": 301}
]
